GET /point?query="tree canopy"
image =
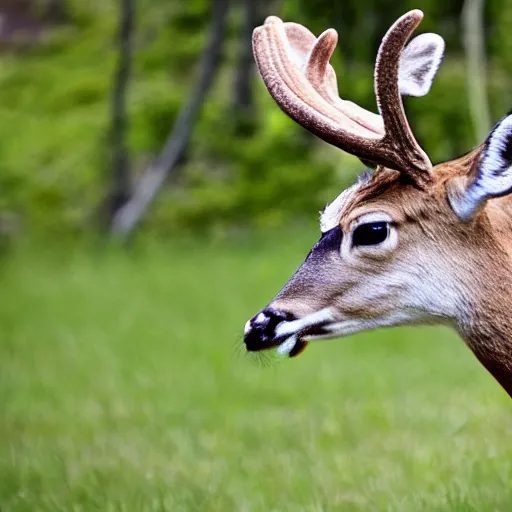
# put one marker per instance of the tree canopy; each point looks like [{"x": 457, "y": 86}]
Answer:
[{"x": 245, "y": 163}]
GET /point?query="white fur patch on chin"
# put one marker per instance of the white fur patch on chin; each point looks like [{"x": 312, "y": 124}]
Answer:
[
  {"x": 287, "y": 346},
  {"x": 293, "y": 328}
]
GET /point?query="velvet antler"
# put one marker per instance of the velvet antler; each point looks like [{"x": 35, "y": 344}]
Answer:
[{"x": 294, "y": 65}]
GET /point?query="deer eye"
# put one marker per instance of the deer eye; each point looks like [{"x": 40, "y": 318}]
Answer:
[{"x": 371, "y": 233}]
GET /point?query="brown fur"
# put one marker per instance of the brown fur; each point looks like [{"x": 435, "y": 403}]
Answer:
[
  {"x": 432, "y": 267},
  {"x": 487, "y": 275},
  {"x": 473, "y": 259}
]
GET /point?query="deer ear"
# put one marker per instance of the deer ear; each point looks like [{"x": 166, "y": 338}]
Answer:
[
  {"x": 419, "y": 63},
  {"x": 491, "y": 174}
]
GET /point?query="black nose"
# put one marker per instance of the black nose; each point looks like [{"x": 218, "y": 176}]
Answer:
[{"x": 260, "y": 330}]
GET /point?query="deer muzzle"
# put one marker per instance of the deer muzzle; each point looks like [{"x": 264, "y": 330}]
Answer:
[
  {"x": 260, "y": 331},
  {"x": 273, "y": 328}
]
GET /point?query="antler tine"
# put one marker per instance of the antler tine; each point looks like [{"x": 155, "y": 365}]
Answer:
[
  {"x": 322, "y": 77},
  {"x": 399, "y": 138},
  {"x": 285, "y": 69},
  {"x": 295, "y": 68}
]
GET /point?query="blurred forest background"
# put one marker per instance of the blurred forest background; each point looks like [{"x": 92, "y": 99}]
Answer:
[
  {"x": 124, "y": 384},
  {"x": 104, "y": 101}
]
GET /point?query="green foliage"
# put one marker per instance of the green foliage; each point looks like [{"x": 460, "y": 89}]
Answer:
[
  {"x": 261, "y": 171},
  {"x": 259, "y": 180},
  {"x": 127, "y": 389}
]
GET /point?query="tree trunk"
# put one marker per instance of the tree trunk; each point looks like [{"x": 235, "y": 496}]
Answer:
[
  {"x": 129, "y": 215},
  {"x": 120, "y": 161},
  {"x": 243, "y": 100},
  {"x": 476, "y": 72},
  {"x": 242, "y": 97}
]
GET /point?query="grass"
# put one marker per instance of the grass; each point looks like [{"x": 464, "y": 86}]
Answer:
[{"x": 124, "y": 386}]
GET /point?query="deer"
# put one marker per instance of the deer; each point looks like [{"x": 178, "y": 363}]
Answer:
[{"x": 410, "y": 242}]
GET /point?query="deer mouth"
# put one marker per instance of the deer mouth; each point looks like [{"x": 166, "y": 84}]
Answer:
[
  {"x": 273, "y": 328},
  {"x": 292, "y": 336}
]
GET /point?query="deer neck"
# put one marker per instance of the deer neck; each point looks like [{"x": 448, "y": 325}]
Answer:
[
  {"x": 498, "y": 359},
  {"x": 489, "y": 330}
]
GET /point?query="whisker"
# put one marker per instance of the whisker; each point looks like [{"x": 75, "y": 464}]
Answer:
[
  {"x": 238, "y": 347},
  {"x": 264, "y": 358}
]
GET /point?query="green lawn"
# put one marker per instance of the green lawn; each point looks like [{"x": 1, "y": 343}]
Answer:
[{"x": 124, "y": 386}]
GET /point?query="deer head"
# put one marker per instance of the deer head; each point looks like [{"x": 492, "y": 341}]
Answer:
[{"x": 408, "y": 243}]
